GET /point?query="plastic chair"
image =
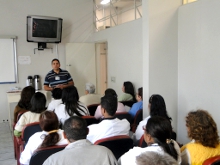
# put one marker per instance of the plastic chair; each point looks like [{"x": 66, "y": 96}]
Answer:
[
  {"x": 13, "y": 126},
  {"x": 92, "y": 108},
  {"x": 40, "y": 155},
  {"x": 128, "y": 103},
  {"x": 212, "y": 161},
  {"x": 90, "y": 120},
  {"x": 117, "y": 144},
  {"x": 21, "y": 141},
  {"x": 124, "y": 115},
  {"x": 137, "y": 118},
  {"x": 142, "y": 142}
]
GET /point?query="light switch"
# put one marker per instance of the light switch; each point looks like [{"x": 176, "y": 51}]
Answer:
[{"x": 112, "y": 79}]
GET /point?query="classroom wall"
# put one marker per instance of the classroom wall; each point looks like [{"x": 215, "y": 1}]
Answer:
[
  {"x": 124, "y": 57},
  {"x": 163, "y": 52},
  {"x": 198, "y": 61},
  {"x": 77, "y": 27}
]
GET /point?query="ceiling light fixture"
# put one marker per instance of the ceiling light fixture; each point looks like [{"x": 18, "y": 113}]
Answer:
[{"x": 103, "y": 2}]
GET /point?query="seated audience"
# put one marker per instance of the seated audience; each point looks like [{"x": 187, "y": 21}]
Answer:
[
  {"x": 57, "y": 95},
  {"x": 80, "y": 151},
  {"x": 90, "y": 97},
  {"x": 38, "y": 103},
  {"x": 120, "y": 107},
  {"x": 128, "y": 92},
  {"x": 24, "y": 102},
  {"x": 70, "y": 105},
  {"x": 155, "y": 158},
  {"x": 50, "y": 136},
  {"x": 203, "y": 132},
  {"x": 109, "y": 126},
  {"x": 139, "y": 105},
  {"x": 157, "y": 135},
  {"x": 157, "y": 107}
]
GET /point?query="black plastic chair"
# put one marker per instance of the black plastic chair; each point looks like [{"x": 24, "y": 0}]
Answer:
[
  {"x": 40, "y": 155},
  {"x": 90, "y": 120},
  {"x": 137, "y": 119},
  {"x": 128, "y": 103},
  {"x": 117, "y": 144},
  {"x": 92, "y": 108}
]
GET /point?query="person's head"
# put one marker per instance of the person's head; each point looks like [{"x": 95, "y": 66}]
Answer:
[
  {"x": 139, "y": 95},
  {"x": 57, "y": 93},
  {"x": 38, "y": 102},
  {"x": 55, "y": 64},
  {"x": 109, "y": 105},
  {"x": 49, "y": 123},
  {"x": 90, "y": 88},
  {"x": 202, "y": 128},
  {"x": 157, "y": 106},
  {"x": 155, "y": 158},
  {"x": 110, "y": 92},
  {"x": 70, "y": 94},
  {"x": 26, "y": 95},
  {"x": 159, "y": 130},
  {"x": 128, "y": 88},
  {"x": 75, "y": 128}
]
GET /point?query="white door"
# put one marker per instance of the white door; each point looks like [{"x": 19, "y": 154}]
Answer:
[{"x": 81, "y": 64}]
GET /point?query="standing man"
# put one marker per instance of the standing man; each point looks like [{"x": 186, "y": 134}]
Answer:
[{"x": 57, "y": 78}]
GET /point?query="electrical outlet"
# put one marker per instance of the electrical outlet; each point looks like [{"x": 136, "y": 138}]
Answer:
[{"x": 113, "y": 79}]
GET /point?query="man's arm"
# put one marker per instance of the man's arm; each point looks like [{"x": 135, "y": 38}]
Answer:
[
  {"x": 61, "y": 86},
  {"x": 47, "y": 88}
]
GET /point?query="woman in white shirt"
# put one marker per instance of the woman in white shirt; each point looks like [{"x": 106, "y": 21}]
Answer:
[
  {"x": 50, "y": 136},
  {"x": 70, "y": 105},
  {"x": 157, "y": 135},
  {"x": 57, "y": 95}
]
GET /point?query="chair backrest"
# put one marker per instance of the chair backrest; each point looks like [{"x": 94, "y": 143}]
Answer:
[
  {"x": 40, "y": 155},
  {"x": 117, "y": 144},
  {"x": 142, "y": 142},
  {"x": 92, "y": 108},
  {"x": 128, "y": 103},
  {"x": 90, "y": 120},
  {"x": 124, "y": 115},
  {"x": 137, "y": 118},
  {"x": 212, "y": 161},
  {"x": 29, "y": 130}
]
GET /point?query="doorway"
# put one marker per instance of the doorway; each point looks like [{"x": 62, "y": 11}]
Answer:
[{"x": 101, "y": 67}]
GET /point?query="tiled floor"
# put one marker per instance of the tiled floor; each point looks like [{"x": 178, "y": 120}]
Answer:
[{"x": 6, "y": 145}]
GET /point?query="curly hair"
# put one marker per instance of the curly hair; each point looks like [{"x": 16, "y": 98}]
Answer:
[{"x": 202, "y": 128}]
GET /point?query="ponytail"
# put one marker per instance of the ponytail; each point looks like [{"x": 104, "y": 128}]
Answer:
[{"x": 50, "y": 140}]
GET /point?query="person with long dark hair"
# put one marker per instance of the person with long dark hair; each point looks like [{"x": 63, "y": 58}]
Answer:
[
  {"x": 157, "y": 135},
  {"x": 38, "y": 105},
  {"x": 70, "y": 105},
  {"x": 128, "y": 92},
  {"x": 157, "y": 107},
  {"x": 25, "y": 101},
  {"x": 50, "y": 136}
]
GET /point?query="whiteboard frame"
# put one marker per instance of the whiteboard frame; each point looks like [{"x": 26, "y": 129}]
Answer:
[{"x": 15, "y": 59}]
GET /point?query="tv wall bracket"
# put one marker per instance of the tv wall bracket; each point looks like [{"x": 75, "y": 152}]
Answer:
[{"x": 42, "y": 46}]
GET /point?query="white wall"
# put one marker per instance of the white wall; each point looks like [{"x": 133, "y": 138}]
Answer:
[
  {"x": 124, "y": 57},
  {"x": 163, "y": 50},
  {"x": 198, "y": 70},
  {"x": 77, "y": 27}
]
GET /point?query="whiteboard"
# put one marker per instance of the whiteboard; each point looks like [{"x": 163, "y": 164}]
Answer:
[{"x": 8, "y": 60}]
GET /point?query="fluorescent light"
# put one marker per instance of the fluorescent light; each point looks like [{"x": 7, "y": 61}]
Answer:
[{"x": 105, "y": 2}]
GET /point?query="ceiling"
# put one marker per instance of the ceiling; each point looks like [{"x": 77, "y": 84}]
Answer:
[{"x": 118, "y": 3}]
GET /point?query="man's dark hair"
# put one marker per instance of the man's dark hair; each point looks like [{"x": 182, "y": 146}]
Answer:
[
  {"x": 57, "y": 93},
  {"x": 55, "y": 59},
  {"x": 75, "y": 128},
  {"x": 110, "y": 104}
]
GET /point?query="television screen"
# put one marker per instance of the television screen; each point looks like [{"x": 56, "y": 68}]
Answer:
[{"x": 44, "y": 29}]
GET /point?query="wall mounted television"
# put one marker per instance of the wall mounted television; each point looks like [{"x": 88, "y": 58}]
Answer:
[{"x": 44, "y": 29}]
